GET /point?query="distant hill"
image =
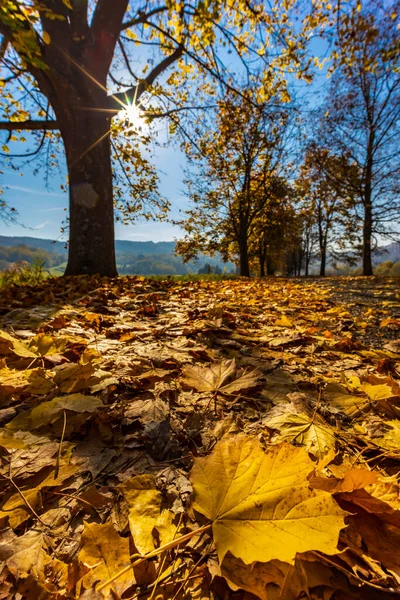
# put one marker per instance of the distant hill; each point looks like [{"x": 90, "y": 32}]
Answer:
[
  {"x": 389, "y": 252},
  {"x": 32, "y": 242},
  {"x": 121, "y": 246},
  {"x": 136, "y": 258}
]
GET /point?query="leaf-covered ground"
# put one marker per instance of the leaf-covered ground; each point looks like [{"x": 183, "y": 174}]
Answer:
[{"x": 258, "y": 418}]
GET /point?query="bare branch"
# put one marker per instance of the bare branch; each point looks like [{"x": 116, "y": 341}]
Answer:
[
  {"x": 28, "y": 125},
  {"x": 134, "y": 93},
  {"x": 142, "y": 17}
]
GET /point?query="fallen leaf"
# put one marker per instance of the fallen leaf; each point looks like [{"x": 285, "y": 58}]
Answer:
[
  {"x": 145, "y": 513},
  {"x": 105, "y": 553},
  {"x": 313, "y": 431},
  {"x": 260, "y": 502},
  {"x": 48, "y": 412},
  {"x": 215, "y": 378}
]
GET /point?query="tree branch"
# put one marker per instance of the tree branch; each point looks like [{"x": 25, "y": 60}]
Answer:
[
  {"x": 105, "y": 29},
  {"x": 3, "y": 47},
  {"x": 28, "y": 125},
  {"x": 142, "y": 17},
  {"x": 134, "y": 93}
]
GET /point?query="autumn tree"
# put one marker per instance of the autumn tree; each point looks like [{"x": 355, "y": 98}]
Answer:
[
  {"x": 326, "y": 205},
  {"x": 238, "y": 157},
  {"x": 361, "y": 117},
  {"x": 272, "y": 227},
  {"x": 78, "y": 62}
]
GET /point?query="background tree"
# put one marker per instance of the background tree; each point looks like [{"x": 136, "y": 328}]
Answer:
[
  {"x": 326, "y": 205},
  {"x": 361, "y": 120},
  {"x": 237, "y": 162},
  {"x": 68, "y": 56},
  {"x": 270, "y": 230}
]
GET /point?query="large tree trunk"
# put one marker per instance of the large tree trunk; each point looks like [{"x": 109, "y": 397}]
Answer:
[
  {"x": 367, "y": 234},
  {"x": 91, "y": 217}
]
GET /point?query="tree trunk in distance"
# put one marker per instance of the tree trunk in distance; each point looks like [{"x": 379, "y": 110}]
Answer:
[
  {"x": 367, "y": 234},
  {"x": 322, "y": 268},
  {"x": 262, "y": 265},
  {"x": 243, "y": 251}
]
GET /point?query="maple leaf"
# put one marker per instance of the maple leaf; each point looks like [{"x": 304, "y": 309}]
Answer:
[
  {"x": 390, "y": 438},
  {"x": 11, "y": 345},
  {"x": 45, "y": 345},
  {"x": 378, "y": 388},
  {"x": 311, "y": 431},
  {"x": 338, "y": 397},
  {"x": 145, "y": 513},
  {"x": 30, "y": 381},
  {"x": 48, "y": 412},
  {"x": 215, "y": 378},
  {"x": 260, "y": 503},
  {"x": 105, "y": 553},
  {"x": 24, "y": 555}
]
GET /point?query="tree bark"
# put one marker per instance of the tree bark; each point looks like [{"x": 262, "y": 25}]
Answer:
[
  {"x": 262, "y": 265},
  {"x": 270, "y": 266},
  {"x": 367, "y": 234},
  {"x": 322, "y": 268},
  {"x": 244, "y": 256},
  {"x": 91, "y": 221}
]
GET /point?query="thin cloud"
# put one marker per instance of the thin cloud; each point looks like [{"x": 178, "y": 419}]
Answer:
[
  {"x": 41, "y": 225},
  {"x": 28, "y": 190},
  {"x": 49, "y": 210}
]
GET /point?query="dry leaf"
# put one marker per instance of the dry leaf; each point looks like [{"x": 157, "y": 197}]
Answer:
[
  {"x": 260, "y": 502},
  {"x": 215, "y": 378},
  {"x": 146, "y": 515},
  {"x": 105, "y": 553},
  {"x": 48, "y": 412}
]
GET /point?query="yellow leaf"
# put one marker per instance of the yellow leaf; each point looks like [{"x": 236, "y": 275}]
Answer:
[
  {"x": 24, "y": 555},
  {"x": 215, "y": 378},
  {"x": 260, "y": 503},
  {"x": 391, "y": 437},
  {"x": 283, "y": 321},
  {"x": 105, "y": 552},
  {"x": 145, "y": 513},
  {"x": 387, "y": 490},
  {"x": 310, "y": 431},
  {"x": 45, "y": 345},
  {"x": 337, "y": 396},
  {"x": 377, "y": 392},
  {"x": 48, "y": 412},
  {"x": 10, "y": 345},
  {"x": 46, "y": 37}
]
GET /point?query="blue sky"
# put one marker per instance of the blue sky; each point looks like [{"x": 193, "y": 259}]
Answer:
[{"x": 41, "y": 207}]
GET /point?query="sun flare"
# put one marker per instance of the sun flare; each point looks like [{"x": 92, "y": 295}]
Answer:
[{"x": 133, "y": 115}]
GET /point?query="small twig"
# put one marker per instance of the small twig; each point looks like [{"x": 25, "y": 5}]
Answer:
[
  {"x": 169, "y": 546},
  {"x": 160, "y": 569},
  {"x": 10, "y": 479},
  {"x": 73, "y": 498},
  {"x": 60, "y": 446}
]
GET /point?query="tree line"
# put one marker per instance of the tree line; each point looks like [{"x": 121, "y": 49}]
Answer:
[{"x": 17, "y": 254}]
